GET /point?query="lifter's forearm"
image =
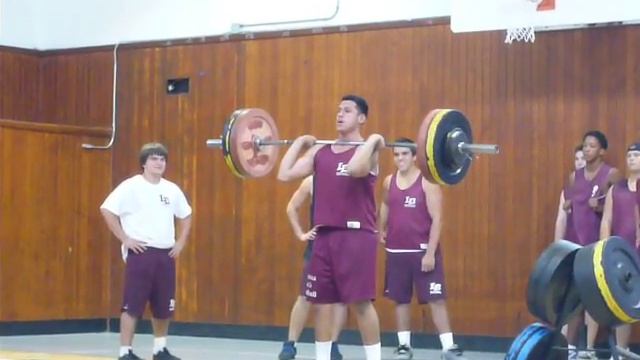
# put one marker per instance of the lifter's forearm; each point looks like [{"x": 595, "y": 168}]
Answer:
[
  {"x": 360, "y": 163},
  {"x": 285, "y": 170}
]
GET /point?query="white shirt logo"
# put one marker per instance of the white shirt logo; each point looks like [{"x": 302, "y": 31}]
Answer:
[
  {"x": 165, "y": 200},
  {"x": 341, "y": 170},
  {"x": 172, "y": 304},
  {"x": 435, "y": 288},
  {"x": 410, "y": 202}
]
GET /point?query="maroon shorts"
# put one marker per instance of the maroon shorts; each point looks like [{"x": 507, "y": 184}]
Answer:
[
  {"x": 150, "y": 277},
  {"x": 342, "y": 267},
  {"x": 404, "y": 272}
]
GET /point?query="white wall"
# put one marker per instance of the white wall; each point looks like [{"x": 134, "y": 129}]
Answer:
[
  {"x": 18, "y": 23},
  {"x": 54, "y": 24}
]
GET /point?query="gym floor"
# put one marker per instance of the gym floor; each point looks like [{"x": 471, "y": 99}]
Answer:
[{"x": 98, "y": 346}]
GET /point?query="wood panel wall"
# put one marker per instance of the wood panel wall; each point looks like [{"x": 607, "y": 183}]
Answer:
[
  {"x": 54, "y": 250},
  {"x": 76, "y": 89},
  {"x": 242, "y": 265},
  {"x": 19, "y": 72}
]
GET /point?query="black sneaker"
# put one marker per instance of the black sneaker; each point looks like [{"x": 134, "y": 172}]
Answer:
[
  {"x": 164, "y": 354},
  {"x": 454, "y": 353},
  {"x": 130, "y": 356},
  {"x": 403, "y": 352},
  {"x": 335, "y": 352},
  {"x": 288, "y": 351}
]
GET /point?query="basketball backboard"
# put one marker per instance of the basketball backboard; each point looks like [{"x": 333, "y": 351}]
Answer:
[{"x": 486, "y": 15}]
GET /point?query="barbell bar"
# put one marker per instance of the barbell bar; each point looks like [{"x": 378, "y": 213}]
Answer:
[
  {"x": 462, "y": 147},
  {"x": 444, "y": 145}
]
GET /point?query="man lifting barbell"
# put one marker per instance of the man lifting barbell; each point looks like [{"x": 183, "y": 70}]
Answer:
[{"x": 342, "y": 268}]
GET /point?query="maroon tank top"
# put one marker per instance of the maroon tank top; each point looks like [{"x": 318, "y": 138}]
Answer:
[
  {"x": 586, "y": 221},
  {"x": 340, "y": 200},
  {"x": 623, "y": 217},
  {"x": 409, "y": 221}
]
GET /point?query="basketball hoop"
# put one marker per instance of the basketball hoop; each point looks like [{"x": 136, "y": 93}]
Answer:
[{"x": 525, "y": 34}]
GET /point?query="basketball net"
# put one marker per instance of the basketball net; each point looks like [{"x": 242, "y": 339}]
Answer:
[{"x": 525, "y": 33}]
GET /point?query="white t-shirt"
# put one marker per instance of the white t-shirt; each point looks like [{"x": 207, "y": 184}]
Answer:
[{"x": 147, "y": 210}]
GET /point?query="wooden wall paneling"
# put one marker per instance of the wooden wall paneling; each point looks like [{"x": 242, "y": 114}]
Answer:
[
  {"x": 53, "y": 258},
  {"x": 266, "y": 70},
  {"x": 76, "y": 88},
  {"x": 20, "y": 87}
]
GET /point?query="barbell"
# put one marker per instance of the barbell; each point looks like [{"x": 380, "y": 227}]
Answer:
[{"x": 444, "y": 146}]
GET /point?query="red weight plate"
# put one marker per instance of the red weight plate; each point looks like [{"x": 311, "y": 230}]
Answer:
[{"x": 252, "y": 161}]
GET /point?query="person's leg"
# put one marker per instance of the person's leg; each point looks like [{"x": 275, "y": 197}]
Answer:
[
  {"x": 339, "y": 320},
  {"x": 403, "y": 324},
  {"x": 354, "y": 260},
  {"x": 369, "y": 326},
  {"x": 592, "y": 333},
  {"x": 623, "y": 335},
  {"x": 573, "y": 334},
  {"x": 440, "y": 317},
  {"x": 163, "y": 303},
  {"x": 127, "y": 329},
  {"x": 137, "y": 288},
  {"x": 323, "y": 320},
  {"x": 160, "y": 332},
  {"x": 321, "y": 291},
  {"x": 297, "y": 320},
  {"x": 431, "y": 289},
  {"x": 399, "y": 288}
]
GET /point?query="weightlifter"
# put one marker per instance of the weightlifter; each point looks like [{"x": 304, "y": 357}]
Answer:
[
  {"x": 587, "y": 189},
  {"x": 342, "y": 268},
  {"x": 619, "y": 218},
  {"x": 410, "y": 224}
]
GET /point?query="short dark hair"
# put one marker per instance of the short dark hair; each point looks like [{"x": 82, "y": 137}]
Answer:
[
  {"x": 407, "y": 140},
  {"x": 602, "y": 140},
  {"x": 152, "y": 149},
  {"x": 361, "y": 103},
  {"x": 634, "y": 147}
]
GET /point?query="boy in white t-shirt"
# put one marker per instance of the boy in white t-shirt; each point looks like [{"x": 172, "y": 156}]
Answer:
[{"x": 141, "y": 212}]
